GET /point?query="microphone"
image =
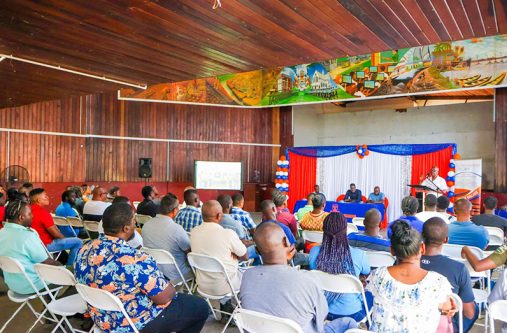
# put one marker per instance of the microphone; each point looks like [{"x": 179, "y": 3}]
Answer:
[{"x": 427, "y": 175}]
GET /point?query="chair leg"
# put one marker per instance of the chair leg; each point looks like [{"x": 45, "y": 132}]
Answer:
[
  {"x": 60, "y": 323},
  {"x": 13, "y": 315},
  {"x": 212, "y": 310},
  {"x": 228, "y": 322}
]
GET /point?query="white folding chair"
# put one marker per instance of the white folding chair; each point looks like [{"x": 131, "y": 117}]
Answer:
[
  {"x": 358, "y": 221},
  {"x": 459, "y": 306},
  {"x": 76, "y": 222},
  {"x": 380, "y": 259},
  {"x": 13, "y": 266},
  {"x": 351, "y": 228},
  {"x": 163, "y": 257},
  {"x": 257, "y": 322},
  {"x": 105, "y": 301},
  {"x": 497, "y": 311},
  {"x": 91, "y": 226},
  {"x": 496, "y": 236},
  {"x": 63, "y": 222},
  {"x": 343, "y": 284},
  {"x": 136, "y": 203},
  {"x": 208, "y": 264},
  {"x": 313, "y": 236},
  {"x": 142, "y": 219},
  {"x": 67, "y": 306}
]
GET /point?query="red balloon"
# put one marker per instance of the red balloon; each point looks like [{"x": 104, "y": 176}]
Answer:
[
  {"x": 457, "y": 156},
  {"x": 450, "y": 183}
]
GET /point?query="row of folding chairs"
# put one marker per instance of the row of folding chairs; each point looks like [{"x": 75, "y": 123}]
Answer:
[{"x": 76, "y": 222}]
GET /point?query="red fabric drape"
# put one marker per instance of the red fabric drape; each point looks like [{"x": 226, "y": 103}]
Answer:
[
  {"x": 302, "y": 177},
  {"x": 421, "y": 164}
]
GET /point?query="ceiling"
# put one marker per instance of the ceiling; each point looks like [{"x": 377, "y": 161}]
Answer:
[{"x": 143, "y": 41}]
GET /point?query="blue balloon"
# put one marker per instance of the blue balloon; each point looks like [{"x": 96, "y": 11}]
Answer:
[
  {"x": 453, "y": 179},
  {"x": 450, "y": 194},
  {"x": 285, "y": 178},
  {"x": 450, "y": 210},
  {"x": 448, "y": 178},
  {"x": 452, "y": 165}
]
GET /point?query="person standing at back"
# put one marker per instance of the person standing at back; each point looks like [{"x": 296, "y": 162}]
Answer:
[
  {"x": 488, "y": 218},
  {"x": 464, "y": 231},
  {"x": 148, "y": 206},
  {"x": 190, "y": 216}
]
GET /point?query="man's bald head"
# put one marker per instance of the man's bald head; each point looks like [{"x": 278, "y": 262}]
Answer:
[
  {"x": 212, "y": 211},
  {"x": 99, "y": 194},
  {"x": 271, "y": 243},
  {"x": 435, "y": 232},
  {"x": 372, "y": 218}
]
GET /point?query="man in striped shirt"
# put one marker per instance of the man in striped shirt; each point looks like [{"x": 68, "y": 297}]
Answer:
[
  {"x": 238, "y": 214},
  {"x": 190, "y": 216}
]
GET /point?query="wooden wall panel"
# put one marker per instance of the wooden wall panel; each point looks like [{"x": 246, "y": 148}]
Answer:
[
  {"x": 501, "y": 140},
  {"x": 51, "y": 158}
]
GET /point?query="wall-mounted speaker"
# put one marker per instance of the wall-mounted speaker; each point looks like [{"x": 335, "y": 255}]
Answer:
[{"x": 145, "y": 170}]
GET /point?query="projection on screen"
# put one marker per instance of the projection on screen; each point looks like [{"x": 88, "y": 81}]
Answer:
[{"x": 218, "y": 175}]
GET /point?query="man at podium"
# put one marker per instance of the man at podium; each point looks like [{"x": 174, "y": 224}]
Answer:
[{"x": 436, "y": 183}]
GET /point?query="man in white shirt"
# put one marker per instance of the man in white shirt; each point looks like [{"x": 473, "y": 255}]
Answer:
[
  {"x": 211, "y": 239},
  {"x": 94, "y": 209},
  {"x": 161, "y": 232},
  {"x": 430, "y": 209},
  {"x": 435, "y": 182}
]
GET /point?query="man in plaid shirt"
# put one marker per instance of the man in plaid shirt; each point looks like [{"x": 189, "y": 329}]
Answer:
[
  {"x": 190, "y": 216},
  {"x": 238, "y": 214}
]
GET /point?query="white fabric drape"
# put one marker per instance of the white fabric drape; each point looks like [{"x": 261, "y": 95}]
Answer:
[{"x": 391, "y": 172}]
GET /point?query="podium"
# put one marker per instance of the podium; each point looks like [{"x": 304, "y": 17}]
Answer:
[{"x": 420, "y": 194}]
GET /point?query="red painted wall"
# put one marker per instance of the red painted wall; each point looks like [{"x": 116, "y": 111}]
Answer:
[{"x": 132, "y": 190}]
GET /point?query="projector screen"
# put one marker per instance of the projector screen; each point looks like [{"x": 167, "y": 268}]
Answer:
[{"x": 218, "y": 175}]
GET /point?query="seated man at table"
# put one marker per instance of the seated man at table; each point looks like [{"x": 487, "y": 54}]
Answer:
[
  {"x": 314, "y": 220},
  {"x": 376, "y": 196},
  {"x": 353, "y": 194},
  {"x": 370, "y": 239}
]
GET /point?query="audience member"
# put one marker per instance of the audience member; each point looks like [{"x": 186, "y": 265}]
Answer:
[
  {"x": 314, "y": 220},
  {"x": 488, "y": 218},
  {"x": 307, "y": 208},
  {"x": 161, "y": 232},
  {"x": 240, "y": 215},
  {"x": 86, "y": 190},
  {"x": 94, "y": 208},
  {"x": 48, "y": 232},
  {"x": 435, "y": 236},
  {"x": 22, "y": 243},
  {"x": 430, "y": 208},
  {"x": 266, "y": 289},
  {"x": 407, "y": 298},
  {"x": 409, "y": 206},
  {"x": 464, "y": 231},
  {"x": 228, "y": 222},
  {"x": 211, "y": 239},
  {"x": 25, "y": 189},
  {"x": 190, "y": 216},
  {"x": 137, "y": 241},
  {"x": 13, "y": 194},
  {"x": 370, "y": 239},
  {"x": 113, "y": 192},
  {"x": 335, "y": 256},
  {"x": 376, "y": 196},
  {"x": 269, "y": 210},
  {"x": 2, "y": 209},
  {"x": 65, "y": 209},
  {"x": 148, "y": 298},
  {"x": 443, "y": 203},
  {"x": 79, "y": 202},
  {"x": 353, "y": 194},
  {"x": 184, "y": 204},
  {"x": 283, "y": 215},
  {"x": 148, "y": 206},
  {"x": 496, "y": 259}
]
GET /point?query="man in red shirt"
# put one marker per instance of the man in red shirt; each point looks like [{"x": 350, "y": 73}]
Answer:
[
  {"x": 48, "y": 232},
  {"x": 2, "y": 208}
]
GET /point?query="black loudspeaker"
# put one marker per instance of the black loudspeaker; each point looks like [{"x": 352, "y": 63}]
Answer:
[{"x": 145, "y": 168}]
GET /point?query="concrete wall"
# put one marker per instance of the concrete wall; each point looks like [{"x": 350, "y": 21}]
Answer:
[{"x": 470, "y": 126}]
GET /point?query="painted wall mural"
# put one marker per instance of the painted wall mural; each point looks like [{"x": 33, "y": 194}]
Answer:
[{"x": 469, "y": 64}]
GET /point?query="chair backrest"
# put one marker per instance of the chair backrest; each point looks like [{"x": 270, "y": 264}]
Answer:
[
  {"x": 358, "y": 221},
  {"x": 351, "y": 228},
  {"x": 205, "y": 263},
  {"x": 496, "y": 236},
  {"x": 459, "y": 307},
  {"x": 313, "y": 236},
  {"x": 92, "y": 226},
  {"x": 142, "y": 219},
  {"x": 75, "y": 222},
  {"x": 61, "y": 221},
  {"x": 454, "y": 251},
  {"x": 497, "y": 311},
  {"x": 380, "y": 259},
  {"x": 340, "y": 197},
  {"x": 136, "y": 203},
  {"x": 257, "y": 322},
  {"x": 162, "y": 257},
  {"x": 103, "y": 300},
  {"x": 58, "y": 275},
  {"x": 11, "y": 265}
]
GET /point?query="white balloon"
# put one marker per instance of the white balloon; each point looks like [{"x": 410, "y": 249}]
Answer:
[
  {"x": 451, "y": 205},
  {"x": 278, "y": 185},
  {"x": 360, "y": 151},
  {"x": 451, "y": 161},
  {"x": 452, "y": 188},
  {"x": 450, "y": 173},
  {"x": 279, "y": 163}
]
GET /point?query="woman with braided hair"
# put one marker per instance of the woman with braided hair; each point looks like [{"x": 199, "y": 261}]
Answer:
[{"x": 335, "y": 256}]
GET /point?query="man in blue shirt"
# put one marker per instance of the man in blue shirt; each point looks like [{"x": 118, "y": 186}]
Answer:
[
  {"x": 435, "y": 236},
  {"x": 464, "y": 231},
  {"x": 240, "y": 215},
  {"x": 376, "y": 196},
  {"x": 65, "y": 210},
  {"x": 370, "y": 239},
  {"x": 353, "y": 194}
]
